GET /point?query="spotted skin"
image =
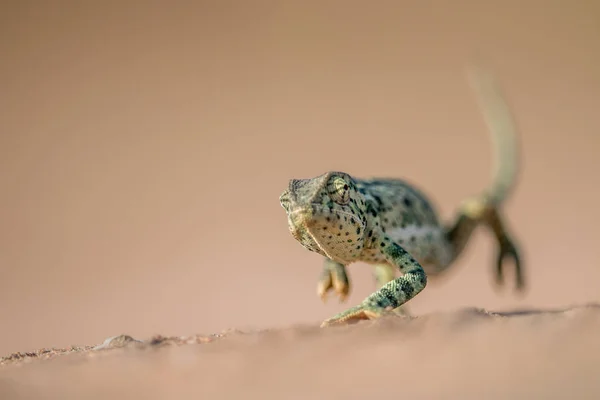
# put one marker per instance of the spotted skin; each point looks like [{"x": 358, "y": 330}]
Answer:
[{"x": 393, "y": 226}]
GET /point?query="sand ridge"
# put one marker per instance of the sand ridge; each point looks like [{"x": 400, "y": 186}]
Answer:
[{"x": 468, "y": 353}]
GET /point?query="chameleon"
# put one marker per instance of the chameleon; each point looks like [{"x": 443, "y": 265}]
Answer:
[{"x": 391, "y": 224}]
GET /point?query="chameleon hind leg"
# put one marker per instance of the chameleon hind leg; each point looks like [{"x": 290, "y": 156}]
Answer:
[
  {"x": 333, "y": 278},
  {"x": 383, "y": 274},
  {"x": 478, "y": 211},
  {"x": 391, "y": 295}
]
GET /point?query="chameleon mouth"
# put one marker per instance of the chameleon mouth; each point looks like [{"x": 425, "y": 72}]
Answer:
[
  {"x": 299, "y": 221},
  {"x": 300, "y": 216}
]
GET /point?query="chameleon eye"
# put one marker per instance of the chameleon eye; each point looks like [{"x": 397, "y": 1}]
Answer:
[{"x": 339, "y": 190}]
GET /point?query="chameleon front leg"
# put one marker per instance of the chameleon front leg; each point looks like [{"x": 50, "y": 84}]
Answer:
[
  {"x": 333, "y": 277},
  {"x": 383, "y": 274},
  {"x": 394, "y": 293}
]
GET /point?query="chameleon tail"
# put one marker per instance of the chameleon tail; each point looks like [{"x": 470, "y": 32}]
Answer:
[{"x": 503, "y": 130}]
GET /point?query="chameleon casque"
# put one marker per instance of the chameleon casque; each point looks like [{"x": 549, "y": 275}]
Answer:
[{"x": 392, "y": 225}]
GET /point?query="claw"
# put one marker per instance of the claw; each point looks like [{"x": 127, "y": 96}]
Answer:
[
  {"x": 508, "y": 251},
  {"x": 333, "y": 278},
  {"x": 324, "y": 285},
  {"x": 342, "y": 289}
]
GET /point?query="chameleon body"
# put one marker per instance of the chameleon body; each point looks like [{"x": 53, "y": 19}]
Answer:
[{"x": 392, "y": 225}]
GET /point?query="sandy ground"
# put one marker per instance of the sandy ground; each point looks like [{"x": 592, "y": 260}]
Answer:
[{"x": 466, "y": 354}]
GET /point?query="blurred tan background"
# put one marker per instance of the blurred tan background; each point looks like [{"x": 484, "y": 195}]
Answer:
[{"x": 143, "y": 147}]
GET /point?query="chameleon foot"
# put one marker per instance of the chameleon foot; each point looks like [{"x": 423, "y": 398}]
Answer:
[
  {"x": 360, "y": 313},
  {"x": 352, "y": 315},
  {"x": 508, "y": 251},
  {"x": 334, "y": 278}
]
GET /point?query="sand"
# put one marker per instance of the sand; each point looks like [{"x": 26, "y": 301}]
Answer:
[{"x": 463, "y": 354}]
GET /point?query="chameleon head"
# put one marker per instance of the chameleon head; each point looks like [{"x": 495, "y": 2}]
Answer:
[{"x": 326, "y": 214}]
